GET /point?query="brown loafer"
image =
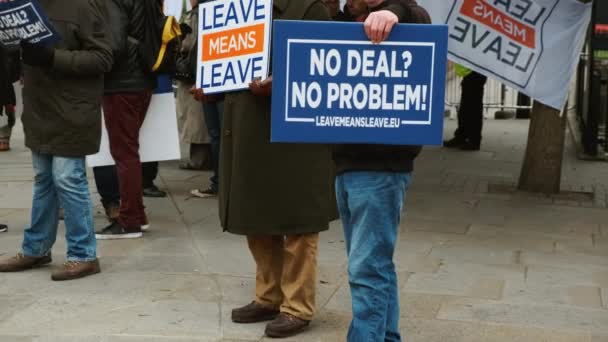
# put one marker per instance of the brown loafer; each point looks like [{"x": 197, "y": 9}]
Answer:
[
  {"x": 76, "y": 269},
  {"x": 286, "y": 325},
  {"x": 22, "y": 262},
  {"x": 253, "y": 313}
]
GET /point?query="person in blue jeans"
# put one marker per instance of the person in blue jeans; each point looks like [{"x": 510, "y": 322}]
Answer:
[
  {"x": 371, "y": 186},
  {"x": 63, "y": 83}
]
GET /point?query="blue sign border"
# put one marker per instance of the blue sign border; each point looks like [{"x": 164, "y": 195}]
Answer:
[{"x": 285, "y": 129}]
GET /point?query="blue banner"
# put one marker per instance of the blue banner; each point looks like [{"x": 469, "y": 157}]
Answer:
[
  {"x": 24, "y": 20},
  {"x": 332, "y": 85}
]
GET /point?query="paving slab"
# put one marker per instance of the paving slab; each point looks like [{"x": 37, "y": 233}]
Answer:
[{"x": 473, "y": 266}]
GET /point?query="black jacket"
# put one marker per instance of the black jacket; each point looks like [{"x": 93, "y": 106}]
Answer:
[
  {"x": 386, "y": 158},
  {"x": 127, "y": 26},
  {"x": 9, "y": 73}
]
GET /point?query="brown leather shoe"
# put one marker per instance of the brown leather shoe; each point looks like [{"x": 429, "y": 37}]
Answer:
[
  {"x": 253, "y": 313},
  {"x": 22, "y": 262},
  {"x": 76, "y": 269},
  {"x": 286, "y": 325}
]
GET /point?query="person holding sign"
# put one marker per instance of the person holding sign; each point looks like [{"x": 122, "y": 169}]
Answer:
[
  {"x": 370, "y": 189},
  {"x": 63, "y": 84},
  {"x": 277, "y": 195}
]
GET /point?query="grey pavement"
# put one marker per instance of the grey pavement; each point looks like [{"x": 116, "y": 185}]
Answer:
[{"x": 477, "y": 261}]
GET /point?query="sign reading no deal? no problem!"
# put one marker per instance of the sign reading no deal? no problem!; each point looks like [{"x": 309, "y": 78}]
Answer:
[
  {"x": 234, "y": 42},
  {"x": 24, "y": 20},
  {"x": 332, "y": 85}
]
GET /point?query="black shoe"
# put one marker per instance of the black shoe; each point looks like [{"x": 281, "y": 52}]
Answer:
[
  {"x": 454, "y": 143},
  {"x": 469, "y": 146},
  {"x": 116, "y": 231},
  {"x": 3, "y": 228},
  {"x": 153, "y": 191}
]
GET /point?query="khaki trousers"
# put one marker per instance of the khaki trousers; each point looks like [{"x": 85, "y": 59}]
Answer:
[{"x": 286, "y": 275}]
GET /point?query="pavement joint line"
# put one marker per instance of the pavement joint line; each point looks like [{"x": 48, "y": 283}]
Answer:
[
  {"x": 517, "y": 257},
  {"x": 184, "y": 222}
]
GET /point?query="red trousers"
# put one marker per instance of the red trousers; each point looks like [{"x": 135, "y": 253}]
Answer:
[{"x": 124, "y": 113}]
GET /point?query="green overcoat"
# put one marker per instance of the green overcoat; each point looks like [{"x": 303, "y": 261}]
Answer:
[
  {"x": 272, "y": 189},
  {"x": 62, "y": 104}
]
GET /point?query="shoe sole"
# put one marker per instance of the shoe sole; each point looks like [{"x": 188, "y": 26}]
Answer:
[
  {"x": 38, "y": 265},
  {"x": 255, "y": 320},
  {"x": 145, "y": 227},
  {"x": 284, "y": 335},
  {"x": 119, "y": 236},
  {"x": 155, "y": 195},
  {"x": 82, "y": 275},
  {"x": 3, "y": 230},
  {"x": 197, "y": 193}
]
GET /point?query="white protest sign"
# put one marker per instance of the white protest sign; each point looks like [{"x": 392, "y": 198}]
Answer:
[
  {"x": 158, "y": 136},
  {"x": 234, "y": 41},
  {"x": 174, "y": 8},
  {"x": 531, "y": 45}
]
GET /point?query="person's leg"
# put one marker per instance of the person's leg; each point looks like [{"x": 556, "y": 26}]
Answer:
[
  {"x": 40, "y": 236},
  {"x": 200, "y": 156},
  {"x": 372, "y": 203},
  {"x": 106, "y": 181},
  {"x": 300, "y": 275},
  {"x": 124, "y": 114},
  {"x": 149, "y": 174},
  {"x": 472, "y": 105},
  {"x": 6, "y": 130},
  {"x": 298, "y": 285},
  {"x": 267, "y": 251},
  {"x": 213, "y": 112},
  {"x": 72, "y": 186}
]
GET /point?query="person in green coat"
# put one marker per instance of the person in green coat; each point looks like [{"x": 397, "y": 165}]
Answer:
[
  {"x": 63, "y": 85},
  {"x": 279, "y": 196}
]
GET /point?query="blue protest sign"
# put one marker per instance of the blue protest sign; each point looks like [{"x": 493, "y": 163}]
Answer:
[
  {"x": 24, "y": 20},
  {"x": 332, "y": 85}
]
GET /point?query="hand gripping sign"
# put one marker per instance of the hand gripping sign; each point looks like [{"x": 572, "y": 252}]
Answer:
[
  {"x": 234, "y": 42},
  {"x": 332, "y": 85},
  {"x": 24, "y": 20}
]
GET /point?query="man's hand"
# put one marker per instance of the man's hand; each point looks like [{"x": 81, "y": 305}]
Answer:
[
  {"x": 261, "y": 88},
  {"x": 378, "y": 25},
  {"x": 200, "y": 96}
]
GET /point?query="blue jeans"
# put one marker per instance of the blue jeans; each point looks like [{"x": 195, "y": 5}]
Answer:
[
  {"x": 370, "y": 205},
  {"x": 213, "y": 118},
  {"x": 61, "y": 182}
]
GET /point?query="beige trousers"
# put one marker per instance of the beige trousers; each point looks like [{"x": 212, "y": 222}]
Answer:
[{"x": 286, "y": 275}]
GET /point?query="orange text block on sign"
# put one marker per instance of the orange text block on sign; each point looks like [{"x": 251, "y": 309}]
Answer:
[
  {"x": 233, "y": 43},
  {"x": 500, "y": 21}
]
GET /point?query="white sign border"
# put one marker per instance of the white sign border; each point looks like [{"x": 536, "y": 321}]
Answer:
[{"x": 428, "y": 122}]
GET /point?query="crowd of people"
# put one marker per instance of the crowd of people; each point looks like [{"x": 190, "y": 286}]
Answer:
[{"x": 97, "y": 64}]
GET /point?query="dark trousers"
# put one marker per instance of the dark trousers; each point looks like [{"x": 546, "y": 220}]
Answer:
[
  {"x": 213, "y": 118},
  {"x": 106, "y": 180},
  {"x": 124, "y": 114},
  {"x": 470, "y": 112}
]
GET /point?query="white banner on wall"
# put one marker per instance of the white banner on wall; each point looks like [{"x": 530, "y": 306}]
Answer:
[{"x": 531, "y": 45}]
